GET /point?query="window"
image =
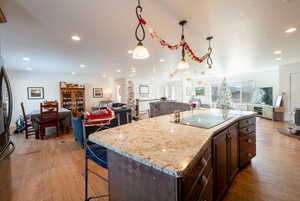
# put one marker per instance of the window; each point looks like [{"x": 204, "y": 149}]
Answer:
[
  {"x": 247, "y": 92},
  {"x": 236, "y": 93},
  {"x": 242, "y": 92},
  {"x": 214, "y": 93}
]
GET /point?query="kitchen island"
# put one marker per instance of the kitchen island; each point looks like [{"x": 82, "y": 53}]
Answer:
[{"x": 157, "y": 159}]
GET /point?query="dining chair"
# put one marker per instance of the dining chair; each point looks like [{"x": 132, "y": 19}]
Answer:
[
  {"x": 49, "y": 118},
  {"x": 29, "y": 130}
]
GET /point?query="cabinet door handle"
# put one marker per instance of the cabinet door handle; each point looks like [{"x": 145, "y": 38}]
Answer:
[
  {"x": 250, "y": 155},
  {"x": 203, "y": 162},
  {"x": 249, "y": 140},
  {"x": 204, "y": 182}
]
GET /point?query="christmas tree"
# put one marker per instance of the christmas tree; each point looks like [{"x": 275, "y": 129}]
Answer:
[{"x": 224, "y": 101}]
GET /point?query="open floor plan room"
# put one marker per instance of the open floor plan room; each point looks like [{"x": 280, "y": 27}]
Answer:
[{"x": 156, "y": 100}]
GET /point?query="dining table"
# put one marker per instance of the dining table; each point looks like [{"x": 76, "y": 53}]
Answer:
[{"x": 64, "y": 116}]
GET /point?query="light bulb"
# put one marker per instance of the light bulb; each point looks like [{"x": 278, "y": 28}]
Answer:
[
  {"x": 183, "y": 65},
  {"x": 187, "y": 75},
  {"x": 140, "y": 52},
  {"x": 210, "y": 68}
]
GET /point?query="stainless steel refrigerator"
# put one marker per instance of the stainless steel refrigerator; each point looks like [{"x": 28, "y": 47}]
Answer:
[{"x": 6, "y": 105}]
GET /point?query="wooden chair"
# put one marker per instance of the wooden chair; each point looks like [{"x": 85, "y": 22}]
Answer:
[
  {"x": 49, "y": 118},
  {"x": 29, "y": 130}
]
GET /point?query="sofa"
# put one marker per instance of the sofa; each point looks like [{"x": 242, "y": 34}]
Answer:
[{"x": 167, "y": 107}]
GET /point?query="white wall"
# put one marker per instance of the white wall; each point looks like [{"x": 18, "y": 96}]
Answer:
[
  {"x": 286, "y": 71},
  {"x": 21, "y": 80},
  {"x": 156, "y": 90}
]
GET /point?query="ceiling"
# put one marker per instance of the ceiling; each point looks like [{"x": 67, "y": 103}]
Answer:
[{"x": 246, "y": 33}]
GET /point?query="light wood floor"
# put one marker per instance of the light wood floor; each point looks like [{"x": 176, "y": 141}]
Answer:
[{"x": 52, "y": 170}]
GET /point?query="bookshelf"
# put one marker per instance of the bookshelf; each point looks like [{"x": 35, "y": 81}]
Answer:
[{"x": 72, "y": 97}]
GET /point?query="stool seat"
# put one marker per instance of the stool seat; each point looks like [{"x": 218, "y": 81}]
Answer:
[{"x": 98, "y": 154}]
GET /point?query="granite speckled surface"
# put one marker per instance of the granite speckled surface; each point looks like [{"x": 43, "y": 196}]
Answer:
[{"x": 161, "y": 144}]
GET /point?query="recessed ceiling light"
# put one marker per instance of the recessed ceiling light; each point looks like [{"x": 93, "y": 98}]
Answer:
[
  {"x": 291, "y": 30},
  {"x": 162, "y": 60},
  {"x": 75, "y": 38},
  {"x": 73, "y": 73},
  {"x": 279, "y": 59},
  {"x": 277, "y": 52},
  {"x": 104, "y": 76},
  {"x": 82, "y": 66},
  {"x": 130, "y": 51},
  {"x": 26, "y": 59},
  {"x": 29, "y": 69},
  {"x": 119, "y": 71}
]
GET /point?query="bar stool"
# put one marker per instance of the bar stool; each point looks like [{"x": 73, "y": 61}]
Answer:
[{"x": 95, "y": 152}]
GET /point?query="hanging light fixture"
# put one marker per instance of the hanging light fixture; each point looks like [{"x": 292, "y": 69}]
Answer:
[
  {"x": 2, "y": 17},
  {"x": 140, "y": 52},
  {"x": 183, "y": 65},
  {"x": 209, "y": 59}
]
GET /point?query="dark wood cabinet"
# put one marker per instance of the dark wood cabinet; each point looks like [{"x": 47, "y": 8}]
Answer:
[
  {"x": 247, "y": 141},
  {"x": 226, "y": 159},
  {"x": 232, "y": 152},
  {"x": 220, "y": 164},
  {"x": 198, "y": 180}
]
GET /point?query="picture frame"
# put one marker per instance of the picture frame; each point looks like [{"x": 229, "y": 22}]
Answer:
[
  {"x": 35, "y": 93},
  {"x": 144, "y": 90},
  {"x": 200, "y": 91},
  {"x": 97, "y": 93}
]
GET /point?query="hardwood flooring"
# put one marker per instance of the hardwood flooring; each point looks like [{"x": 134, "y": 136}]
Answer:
[{"x": 52, "y": 170}]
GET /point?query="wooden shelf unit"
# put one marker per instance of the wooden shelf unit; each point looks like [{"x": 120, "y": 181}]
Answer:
[{"x": 73, "y": 99}]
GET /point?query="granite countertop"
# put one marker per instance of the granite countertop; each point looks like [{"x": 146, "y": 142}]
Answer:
[{"x": 160, "y": 143}]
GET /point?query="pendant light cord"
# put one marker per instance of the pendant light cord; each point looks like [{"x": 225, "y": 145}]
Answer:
[
  {"x": 140, "y": 26},
  {"x": 209, "y": 59},
  {"x": 182, "y": 23}
]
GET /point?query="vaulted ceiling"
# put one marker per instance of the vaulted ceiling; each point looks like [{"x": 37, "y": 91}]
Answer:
[{"x": 246, "y": 34}]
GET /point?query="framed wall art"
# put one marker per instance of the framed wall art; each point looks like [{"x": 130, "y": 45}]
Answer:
[
  {"x": 97, "y": 93},
  {"x": 35, "y": 93}
]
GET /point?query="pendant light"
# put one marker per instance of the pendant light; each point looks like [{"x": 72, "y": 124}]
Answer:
[
  {"x": 209, "y": 59},
  {"x": 2, "y": 17},
  {"x": 140, "y": 52},
  {"x": 183, "y": 65}
]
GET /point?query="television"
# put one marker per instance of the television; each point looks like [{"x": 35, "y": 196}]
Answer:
[{"x": 264, "y": 96}]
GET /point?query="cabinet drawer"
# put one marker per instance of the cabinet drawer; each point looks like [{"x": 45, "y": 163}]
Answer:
[
  {"x": 246, "y": 122},
  {"x": 193, "y": 182},
  {"x": 192, "y": 179},
  {"x": 247, "y": 142},
  {"x": 246, "y": 156},
  {"x": 247, "y": 130},
  {"x": 207, "y": 194}
]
